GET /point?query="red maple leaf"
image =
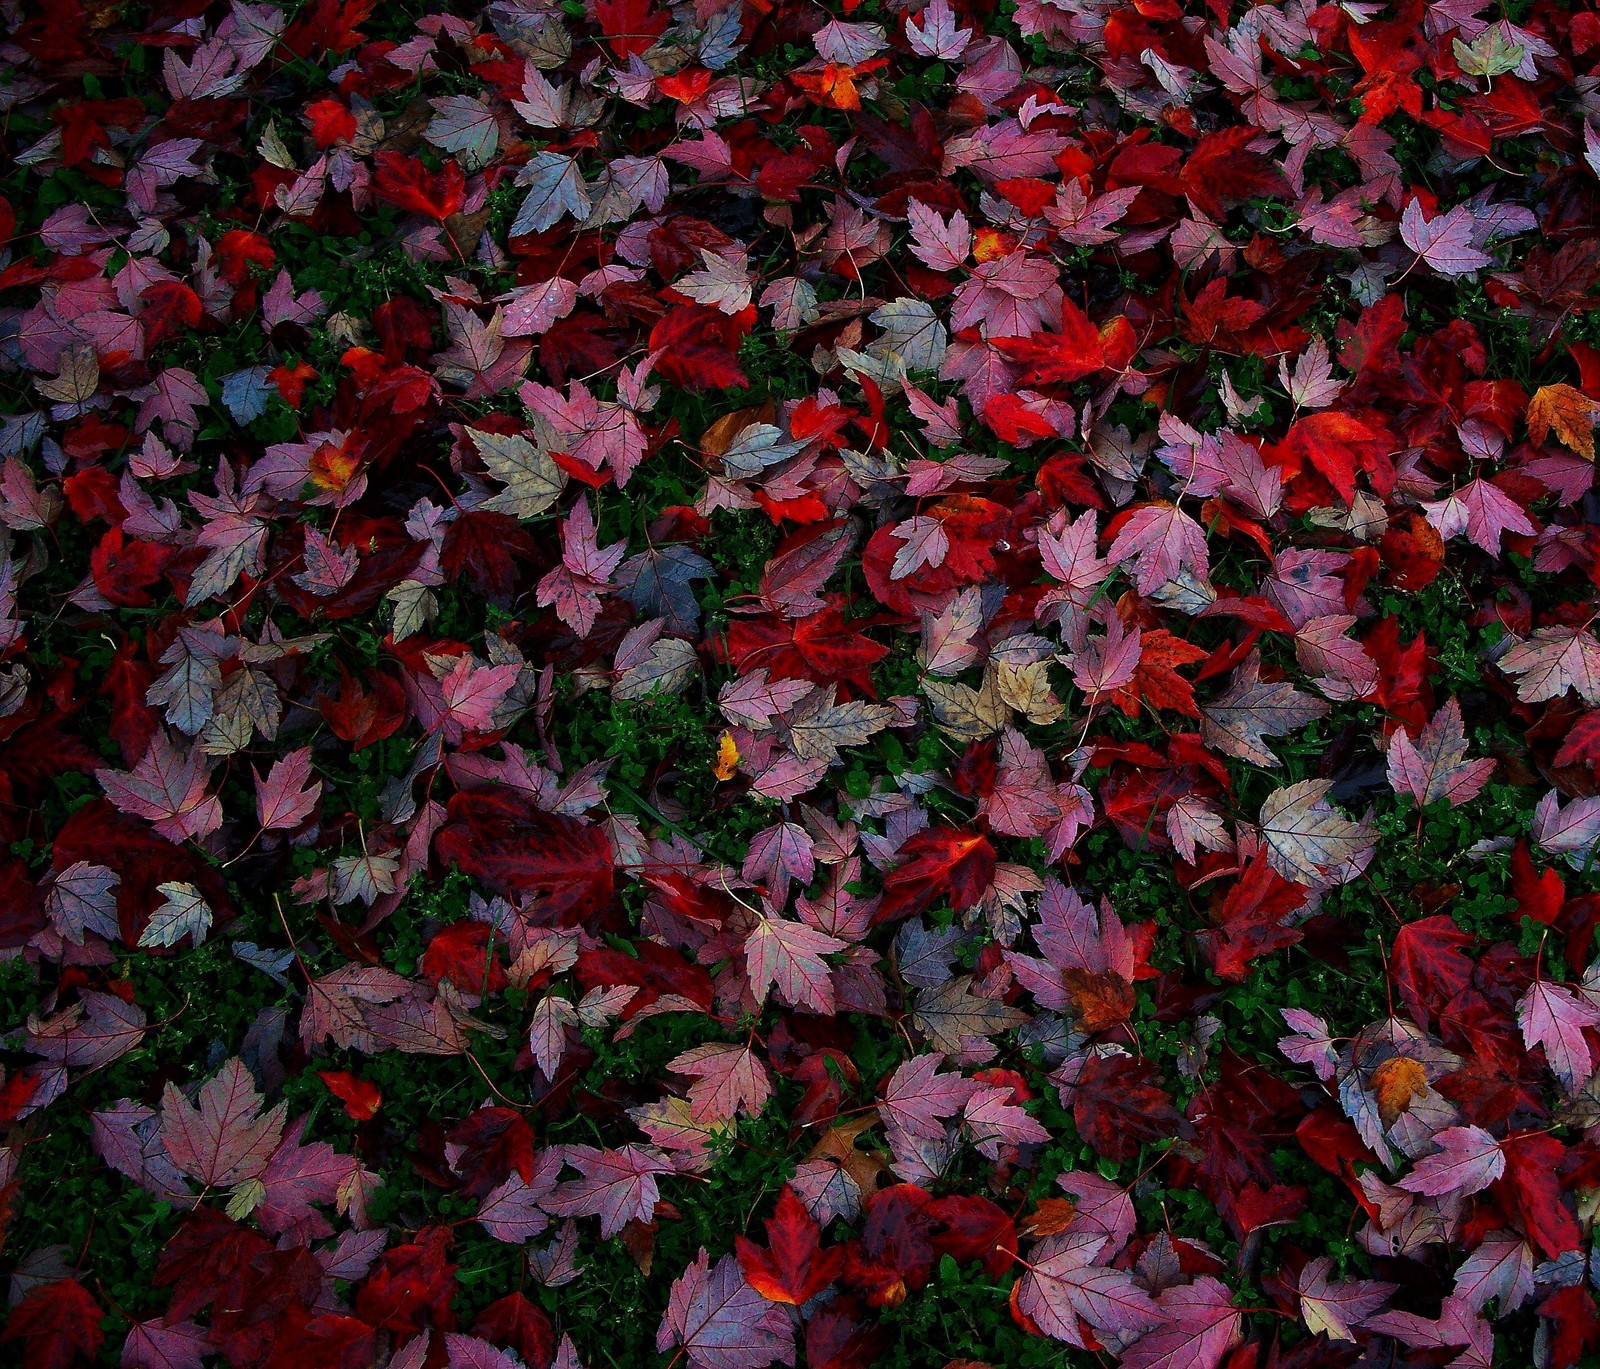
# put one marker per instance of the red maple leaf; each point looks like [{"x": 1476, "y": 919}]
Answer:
[
  {"x": 504, "y": 838},
  {"x": 361, "y": 1099},
  {"x": 698, "y": 347},
  {"x": 1117, "y": 1105},
  {"x": 631, "y": 27},
  {"x": 947, "y": 862},
  {"x": 412, "y": 1285},
  {"x": 406, "y": 183},
  {"x": 826, "y": 648},
  {"x": 794, "y": 1268},
  {"x": 56, "y": 1323}
]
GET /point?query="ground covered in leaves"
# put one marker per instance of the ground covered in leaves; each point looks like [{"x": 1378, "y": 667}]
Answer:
[{"x": 754, "y": 681}]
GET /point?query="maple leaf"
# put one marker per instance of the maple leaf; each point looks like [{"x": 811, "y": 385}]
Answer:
[
  {"x": 406, "y": 182},
  {"x": 793, "y": 1268},
  {"x": 995, "y": 1120},
  {"x": 1482, "y": 511},
  {"x": 183, "y": 912},
  {"x": 1116, "y": 1103},
  {"x": 1446, "y": 243},
  {"x": 1058, "y": 358},
  {"x": 285, "y": 798},
  {"x": 1238, "y": 721},
  {"x": 1310, "y": 1044},
  {"x": 695, "y": 347},
  {"x": 925, "y": 544},
  {"x": 1156, "y": 680},
  {"x": 1023, "y": 801},
  {"x": 1554, "y": 1017},
  {"x": 934, "y": 33},
  {"x": 296, "y": 1177},
  {"x": 1104, "y": 665},
  {"x": 1067, "y": 548},
  {"x": 329, "y": 568},
  {"x": 83, "y": 899},
  {"x": 1468, "y": 1159},
  {"x": 788, "y": 956},
  {"x": 1457, "y": 1327},
  {"x": 957, "y": 1020},
  {"x": 504, "y": 838},
  {"x": 361, "y": 1099},
  {"x": 335, "y": 1005},
  {"x": 1088, "y": 960},
  {"x": 1436, "y": 766},
  {"x": 1502, "y": 1267},
  {"x": 93, "y": 1032},
  {"x": 723, "y": 282},
  {"x": 1163, "y": 541},
  {"x": 167, "y": 787},
  {"x": 532, "y": 480},
  {"x": 820, "y": 726},
  {"x": 631, "y": 26},
  {"x": 729, "y": 1080},
  {"x": 1312, "y": 385},
  {"x": 618, "y": 1186},
  {"x": 1335, "y": 1308},
  {"x": 1012, "y": 296},
  {"x": 943, "y": 861},
  {"x": 464, "y": 125},
  {"x": 223, "y": 1136},
  {"x": 575, "y": 586},
  {"x": 155, "y": 1345},
  {"x": 469, "y": 1352},
  {"x": 720, "y": 1322},
  {"x": 411, "y": 1286},
  {"x": 1200, "y": 1327},
  {"x": 1064, "y": 1283},
  {"x": 56, "y": 1323},
  {"x": 793, "y": 577},
  {"x": 1084, "y": 221},
  {"x": 1554, "y": 660},
  {"x": 512, "y": 1211},
  {"x": 1567, "y": 412},
  {"x": 919, "y": 1098},
  {"x": 1308, "y": 841},
  {"x": 472, "y": 695},
  {"x": 1572, "y": 831}
]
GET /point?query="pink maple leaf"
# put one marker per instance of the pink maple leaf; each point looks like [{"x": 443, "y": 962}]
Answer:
[
  {"x": 168, "y": 788},
  {"x": 575, "y": 586},
  {"x": 288, "y": 794},
  {"x": 919, "y": 1096},
  {"x": 1163, "y": 541},
  {"x": 1468, "y": 1159},
  {"x": 720, "y": 1322},
  {"x": 618, "y": 1186}
]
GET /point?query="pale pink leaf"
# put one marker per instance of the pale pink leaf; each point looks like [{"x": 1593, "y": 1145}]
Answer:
[
  {"x": 1435, "y": 766},
  {"x": 720, "y": 1322},
  {"x": 1553, "y": 1016},
  {"x": 223, "y": 1136},
  {"x": 285, "y": 798}
]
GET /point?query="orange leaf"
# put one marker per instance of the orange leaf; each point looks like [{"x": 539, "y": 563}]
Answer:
[
  {"x": 361, "y": 1100},
  {"x": 1395, "y": 1083},
  {"x": 1568, "y": 412}
]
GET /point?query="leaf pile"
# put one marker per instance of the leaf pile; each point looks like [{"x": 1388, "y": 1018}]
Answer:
[{"x": 754, "y": 682}]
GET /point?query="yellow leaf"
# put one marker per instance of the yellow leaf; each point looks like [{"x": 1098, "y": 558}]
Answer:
[
  {"x": 1566, "y": 410},
  {"x": 727, "y": 757}
]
